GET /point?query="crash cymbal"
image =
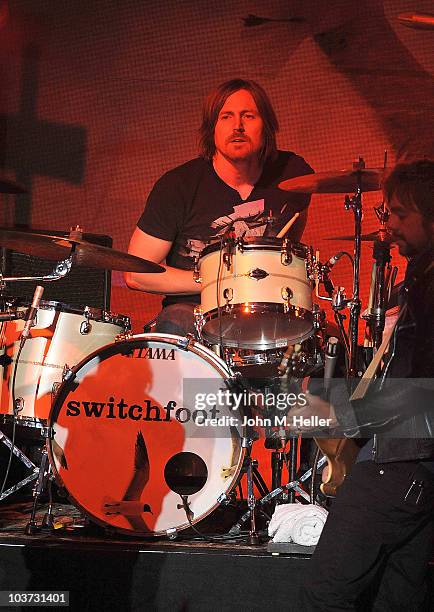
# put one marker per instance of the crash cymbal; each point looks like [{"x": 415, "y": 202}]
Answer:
[
  {"x": 335, "y": 181},
  {"x": 55, "y": 248},
  {"x": 380, "y": 236},
  {"x": 9, "y": 187}
]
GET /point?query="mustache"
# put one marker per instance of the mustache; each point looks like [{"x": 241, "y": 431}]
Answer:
[{"x": 240, "y": 136}]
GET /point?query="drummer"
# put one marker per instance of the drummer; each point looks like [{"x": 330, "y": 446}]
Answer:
[{"x": 232, "y": 185}]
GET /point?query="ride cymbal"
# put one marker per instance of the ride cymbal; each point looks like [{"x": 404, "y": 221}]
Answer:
[
  {"x": 55, "y": 248},
  {"x": 335, "y": 181},
  {"x": 379, "y": 235}
]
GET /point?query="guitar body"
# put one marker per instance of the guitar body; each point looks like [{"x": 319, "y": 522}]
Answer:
[{"x": 341, "y": 453}]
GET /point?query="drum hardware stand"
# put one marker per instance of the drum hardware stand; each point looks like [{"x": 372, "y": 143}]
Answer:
[
  {"x": 44, "y": 478},
  {"x": 280, "y": 491},
  {"x": 25, "y": 460}
]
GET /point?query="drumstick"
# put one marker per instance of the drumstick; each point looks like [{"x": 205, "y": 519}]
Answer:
[{"x": 290, "y": 223}]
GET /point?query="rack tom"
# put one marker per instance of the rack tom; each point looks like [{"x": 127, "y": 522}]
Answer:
[{"x": 256, "y": 293}]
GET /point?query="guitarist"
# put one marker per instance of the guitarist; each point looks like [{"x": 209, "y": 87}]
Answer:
[{"x": 374, "y": 551}]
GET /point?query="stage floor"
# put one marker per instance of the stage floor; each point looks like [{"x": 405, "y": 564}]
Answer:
[
  {"x": 108, "y": 571},
  {"x": 104, "y": 571}
]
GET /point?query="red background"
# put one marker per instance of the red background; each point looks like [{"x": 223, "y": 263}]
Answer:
[{"x": 99, "y": 98}]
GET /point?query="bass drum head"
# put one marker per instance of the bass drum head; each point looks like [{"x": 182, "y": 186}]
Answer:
[{"x": 126, "y": 435}]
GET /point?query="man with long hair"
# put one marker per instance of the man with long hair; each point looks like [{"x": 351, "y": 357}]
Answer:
[
  {"x": 374, "y": 550},
  {"x": 232, "y": 184}
]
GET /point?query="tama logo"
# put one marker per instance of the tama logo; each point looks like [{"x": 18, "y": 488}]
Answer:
[{"x": 155, "y": 353}]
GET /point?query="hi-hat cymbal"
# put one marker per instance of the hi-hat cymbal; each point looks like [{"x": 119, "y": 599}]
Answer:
[
  {"x": 378, "y": 236},
  {"x": 9, "y": 187},
  {"x": 335, "y": 181},
  {"x": 55, "y": 248}
]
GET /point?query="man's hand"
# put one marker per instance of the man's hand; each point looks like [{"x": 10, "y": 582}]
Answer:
[{"x": 316, "y": 415}]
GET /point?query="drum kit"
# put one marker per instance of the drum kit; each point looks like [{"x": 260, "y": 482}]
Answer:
[{"x": 123, "y": 429}]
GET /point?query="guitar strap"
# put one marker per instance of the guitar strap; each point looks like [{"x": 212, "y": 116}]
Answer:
[{"x": 368, "y": 376}]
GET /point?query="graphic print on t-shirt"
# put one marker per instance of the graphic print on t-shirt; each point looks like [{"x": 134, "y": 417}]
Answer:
[{"x": 247, "y": 220}]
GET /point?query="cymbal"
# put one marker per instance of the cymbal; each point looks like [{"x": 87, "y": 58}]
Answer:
[
  {"x": 335, "y": 181},
  {"x": 55, "y": 248},
  {"x": 9, "y": 187},
  {"x": 379, "y": 235}
]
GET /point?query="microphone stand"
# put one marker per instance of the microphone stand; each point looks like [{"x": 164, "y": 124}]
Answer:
[
  {"x": 60, "y": 270},
  {"x": 376, "y": 314},
  {"x": 355, "y": 204}
]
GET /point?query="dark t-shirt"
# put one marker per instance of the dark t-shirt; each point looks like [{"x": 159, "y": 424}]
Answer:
[{"x": 191, "y": 206}]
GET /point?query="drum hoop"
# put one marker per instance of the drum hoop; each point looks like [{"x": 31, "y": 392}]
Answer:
[
  {"x": 194, "y": 347},
  {"x": 89, "y": 312},
  {"x": 253, "y": 243},
  {"x": 24, "y": 421},
  {"x": 274, "y": 308}
]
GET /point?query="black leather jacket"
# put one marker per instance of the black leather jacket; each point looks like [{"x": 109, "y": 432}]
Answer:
[{"x": 399, "y": 411}]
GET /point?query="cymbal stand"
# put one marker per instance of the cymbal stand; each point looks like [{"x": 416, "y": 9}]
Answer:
[
  {"x": 376, "y": 313},
  {"x": 61, "y": 269},
  {"x": 44, "y": 479},
  {"x": 355, "y": 204},
  {"x": 247, "y": 443}
]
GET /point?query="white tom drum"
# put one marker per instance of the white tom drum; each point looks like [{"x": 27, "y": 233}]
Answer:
[
  {"x": 62, "y": 336},
  {"x": 127, "y": 442},
  {"x": 256, "y": 294}
]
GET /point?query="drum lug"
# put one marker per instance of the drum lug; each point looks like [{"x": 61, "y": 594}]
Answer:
[
  {"x": 196, "y": 271},
  {"x": 185, "y": 343},
  {"x": 172, "y": 533},
  {"x": 228, "y": 294},
  {"x": 123, "y": 337},
  {"x": 47, "y": 432},
  {"x": 287, "y": 294},
  {"x": 199, "y": 321},
  {"x": 19, "y": 405},
  {"x": 286, "y": 255},
  {"x": 224, "y": 499},
  {"x": 319, "y": 317},
  {"x": 311, "y": 264},
  {"x": 66, "y": 372},
  {"x": 258, "y": 274}
]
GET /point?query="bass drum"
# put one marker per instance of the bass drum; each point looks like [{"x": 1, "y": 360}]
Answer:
[{"x": 130, "y": 435}]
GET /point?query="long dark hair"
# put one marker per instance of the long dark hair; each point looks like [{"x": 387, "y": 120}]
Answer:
[
  {"x": 413, "y": 185},
  {"x": 213, "y": 105}
]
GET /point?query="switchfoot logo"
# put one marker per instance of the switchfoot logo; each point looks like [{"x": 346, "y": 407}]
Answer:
[{"x": 144, "y": 411}]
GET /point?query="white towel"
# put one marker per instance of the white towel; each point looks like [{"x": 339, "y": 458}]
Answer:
[{"x": 297, "y": 523}]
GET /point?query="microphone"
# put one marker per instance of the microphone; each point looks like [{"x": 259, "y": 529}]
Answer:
[
  {"x": 330, "y": 359},
  {"x": 334, "y": 260},
  {"x": 31, "y": 314}
]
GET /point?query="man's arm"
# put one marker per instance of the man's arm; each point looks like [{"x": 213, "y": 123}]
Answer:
[{"x": 172, "y": 281}]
